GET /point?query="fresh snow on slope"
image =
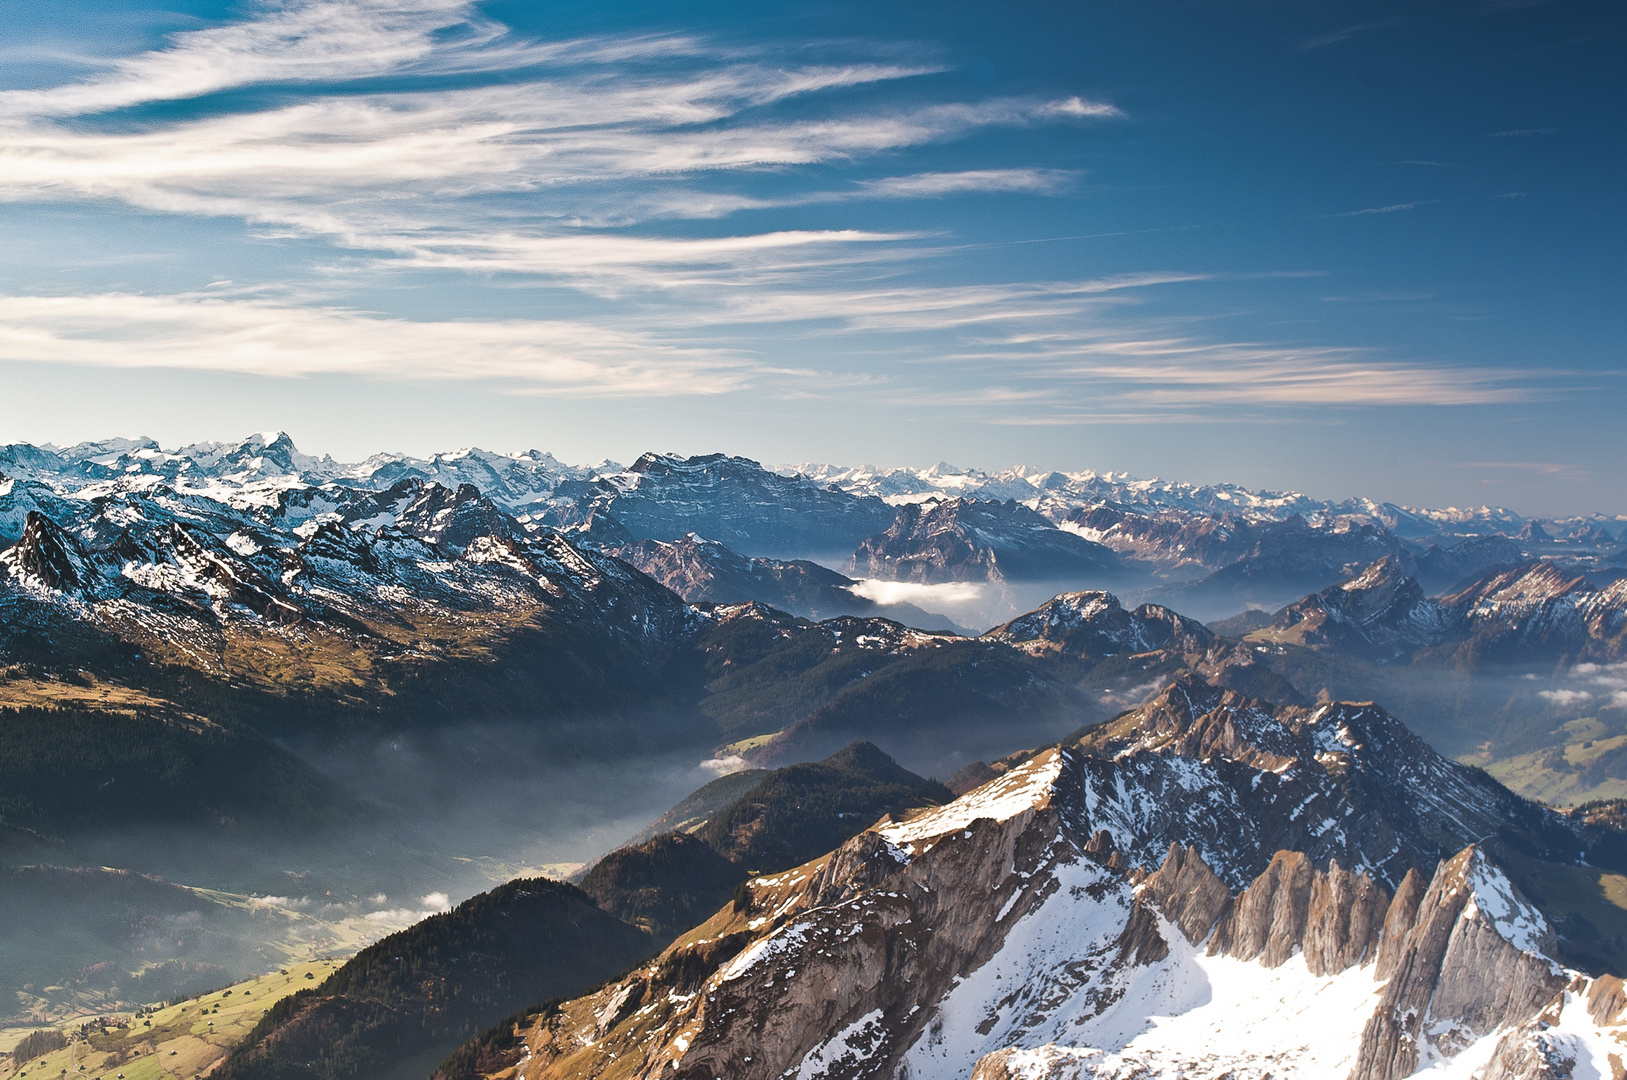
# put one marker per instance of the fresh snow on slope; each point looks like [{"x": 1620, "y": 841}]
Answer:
[
  {"x": 1023, "y": 788},
  {"x": 1190, "y": 1015}
]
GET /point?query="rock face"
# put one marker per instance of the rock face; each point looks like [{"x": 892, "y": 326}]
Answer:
[
  {"x": 1094, "y": 625},
  {"x": 1538, "y": 611},
  {"x": 1382, "y": 613},
  {"x": 999, "y": 937},
  {"x": 429, "y": 511},
  {"x": 49, "y": 557},
  {"x": 968, "y": 540},
  {"x": 1472, "y": 958}
]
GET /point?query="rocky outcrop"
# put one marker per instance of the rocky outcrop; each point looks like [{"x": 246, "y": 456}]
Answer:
[
  {"x": 1333, "y": 917},
  {"x": 1398, "y": 921},
  {"x": 48, "y": 556},
  {"x": 1381, "y": 612},
  {"x": 1267, "y": 922},
  {"x": 1475, "y": 958},
  {"x": 1094, "y": 626},
  {"x": 1188, "y": 892},
  {"x": 1344, "y": 922},
  {"x": 227, "y": 578}
]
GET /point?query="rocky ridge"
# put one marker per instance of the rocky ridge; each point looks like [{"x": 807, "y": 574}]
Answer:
[
  {"x": 1531, "y": 612},
  {"x": 1094, "y": 625},
  {"x": 1007, "y": 936},
  {"x": 1540, "y": 609},
  {"x": 706, "y": 571},
  {"x": 1380, "y": 612}
]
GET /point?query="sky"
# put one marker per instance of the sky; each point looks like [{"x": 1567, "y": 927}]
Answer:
[{"x": 1343, "y": 248}]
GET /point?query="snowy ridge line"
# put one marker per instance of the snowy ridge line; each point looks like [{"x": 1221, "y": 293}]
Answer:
[
  {"x": 256, "y": 471},
  {"x": 1026, "y": 787}
]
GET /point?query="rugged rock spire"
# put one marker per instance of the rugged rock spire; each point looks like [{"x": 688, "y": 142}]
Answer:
[
  {"x": 994, "y": 938},
  {"x": 48, "y": 555}
]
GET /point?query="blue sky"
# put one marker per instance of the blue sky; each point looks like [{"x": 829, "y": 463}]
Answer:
[{"x": 1350, "y": 248}]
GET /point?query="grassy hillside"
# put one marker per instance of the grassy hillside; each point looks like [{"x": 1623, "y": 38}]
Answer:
[
  {"x": 78, "y": 940},
  {"x": 167, "y": 1042}
]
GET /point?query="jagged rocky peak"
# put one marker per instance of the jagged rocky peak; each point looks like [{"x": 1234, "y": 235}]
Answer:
[
  {"x": 431, "y": 511},
  {"x": 1381, "y": 611},
  {"x": 1539, "y": 609},
  {"x": 1093, "y": 625},
  {"x": 1240, "y": 778},
  {"x": 47, "y": 555},
  {"x": 1004, "y": 936},
  {"x": 655, "y": 464}
]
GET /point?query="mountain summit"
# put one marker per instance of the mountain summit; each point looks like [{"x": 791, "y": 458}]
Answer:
[{"x": 1209, "y": 887}]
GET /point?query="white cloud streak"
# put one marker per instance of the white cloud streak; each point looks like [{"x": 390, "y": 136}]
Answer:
[
  {"x": 1184, "y": 373},
  {"x": 314, "y": 41},
  {"x": 269, "y": 337}
]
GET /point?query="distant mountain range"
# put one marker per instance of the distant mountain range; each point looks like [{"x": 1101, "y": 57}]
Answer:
[
  {"x": 536, "y": 482},
  {"x": 187, "y": 637}
]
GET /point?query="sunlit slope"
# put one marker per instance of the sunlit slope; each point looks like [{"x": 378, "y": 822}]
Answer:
[{"x": 175, "y": 1042}]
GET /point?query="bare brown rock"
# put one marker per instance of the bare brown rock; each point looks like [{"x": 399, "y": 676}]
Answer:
[
  {"x": 1454, "y": 979},
  {"x": 1343, "y": 923},
  {"x": 861, "y": 934},
  {"x": 1606, "y": 999},
  {"x": 1188, "y": 892},
  {"x": 1398, "y": 920},
  {"x": 994, "y": 1066},
  {"x": 1268, "y": 919}
]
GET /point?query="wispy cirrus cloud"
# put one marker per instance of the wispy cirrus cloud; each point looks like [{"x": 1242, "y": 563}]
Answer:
[
  {"x": 1051, "y": 353},
  {"x": 312, "y": 41},
  {"x": 1322, "y": 41},
  {"x": 1179, "y": 376},
  {"x": 931, "y": 185},
  {"x": 290, "y": 339},
  {"x": 1393, "y": 208},
  {"x": 1044, "y": 307},
  {"x": 562, "y": 171},
  {"x": 429, "y": 178}
]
